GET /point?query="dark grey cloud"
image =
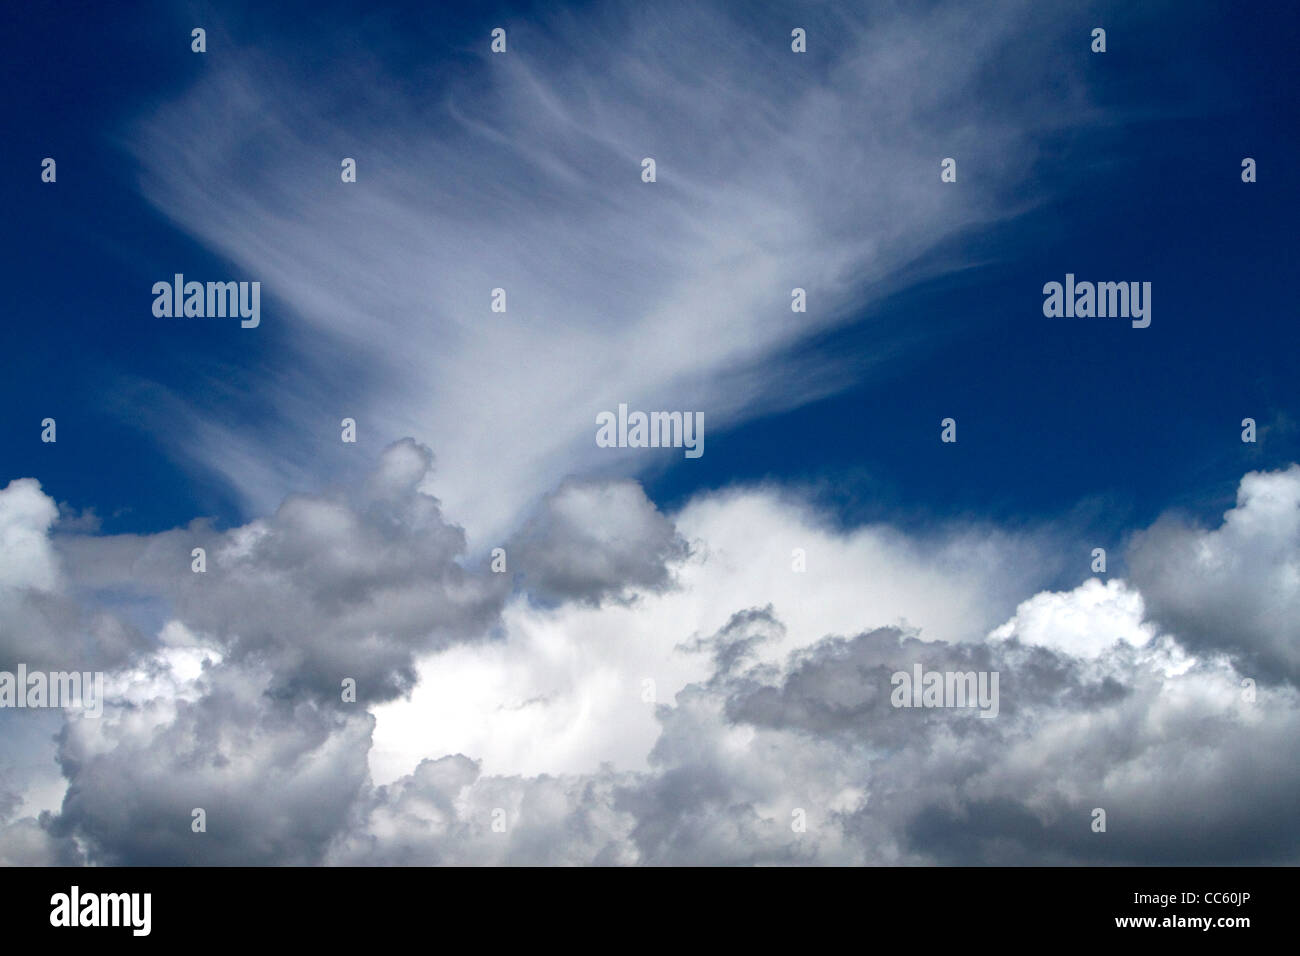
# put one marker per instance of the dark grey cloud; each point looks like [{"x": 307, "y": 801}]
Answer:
[
  {"x": 1184, "y": 766},
  {"x": 333, "y": 585},
  {"x": 275, "y": 780},
  {"x": 595, "y": 541}
]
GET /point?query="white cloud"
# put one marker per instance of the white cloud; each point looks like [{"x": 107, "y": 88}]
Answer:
[
  {"x": 772, "y": 697},
  {"x": 523, "y": 173},
  {"x": 1084, "y": 622},
  {"x": 27, "y": 559},
  {"x": 574, "y": 675},
  {"x": 1234, "y": 589}
]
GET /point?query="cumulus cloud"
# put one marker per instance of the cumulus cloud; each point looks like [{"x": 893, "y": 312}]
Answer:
[
  {"x": 42, "y": 625},
  {"x": 275, "y": 779},
  {"x": 596, "y": 540},
  {"x": 447, "y": 812},
  {"x": 766, "y": 734},
  {"x": 353, "y": 583},
  {"x": 1235, "y": 588},
  {"x": 26, "y": 558},
  {"x": 585, "y": 677},
  {"x": 1100, "y": 709},
  {"x": 1180, "y": 760},
  {"x": 1083, "y": 623}
]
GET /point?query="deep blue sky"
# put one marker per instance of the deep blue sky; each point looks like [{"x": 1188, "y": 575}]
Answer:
[{"x": 1055, "y": 416}]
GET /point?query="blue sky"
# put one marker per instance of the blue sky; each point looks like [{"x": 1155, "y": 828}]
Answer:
[{"x": 1053, "y": 414}]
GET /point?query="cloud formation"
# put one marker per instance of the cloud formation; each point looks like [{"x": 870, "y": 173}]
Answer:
[
  {"x": 766, "y": 737},
  {"x": 514, "y": 167},
  {"x": 341, "y": 584},
  {"x": 593, "y": 541},
  {"x": 1234, "y": 589}
]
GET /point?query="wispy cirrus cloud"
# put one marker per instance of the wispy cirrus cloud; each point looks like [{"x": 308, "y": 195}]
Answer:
[{"x": 522, "y": 171}]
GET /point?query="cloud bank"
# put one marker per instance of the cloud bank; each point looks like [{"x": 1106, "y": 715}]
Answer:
[{"x": 717, "y": 707}]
